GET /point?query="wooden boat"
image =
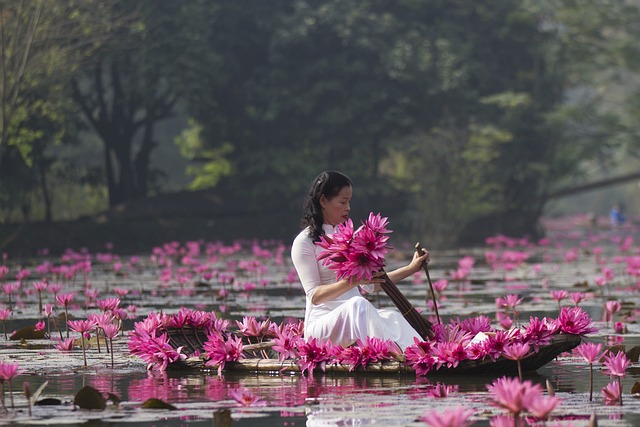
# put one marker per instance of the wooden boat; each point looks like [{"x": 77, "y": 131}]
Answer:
[{"x": 260, "y": 358}]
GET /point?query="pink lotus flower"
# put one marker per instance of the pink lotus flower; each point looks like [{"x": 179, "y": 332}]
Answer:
[
  {"x": 65, "y": 299},
  {"x": 513, "y": 395},
  {"x": 358, "y": 254},
  {"x": 82, "y": 326},
  {"x": 370, "y": 351},
  {"x": 7, "y": 372},
  {"x": 154, "y": 350},
  {"x": 503, "y": 421},
  {"x": 314, "y": 353},
  {"x": 508, "y": 302},
  {"x": 449, "y": 353},
  {"x": 245, "y": 397},
  {"x": 5, "y": 313},
  {"x": 559, "y": 296},
  {"x": 65, "y": 345},
  {"x": 455, "y": 417},
  {"x": 419, "y": 357},
  {"x": 543, "y": 406},
  {"x": 494, "y": 345},
  {"x": 473, "y": 325},
  {"x": 287, "y": 343},
  {"x": 220, "y": 351},
  {"x": 577, "y": 297},
  {"x": 441, "y": 390},
  {"x": 109, "y": 304},
  {"x": 612, "y": 307},
  {"x": 250, "y": 327},
  {"x": 539, "y": 332},
  {"x": 575, "y": 321},
  {"x": 616, "y": 364},
  {"x": 612, "y": 393},
  {"x": 589, "y": 351}
]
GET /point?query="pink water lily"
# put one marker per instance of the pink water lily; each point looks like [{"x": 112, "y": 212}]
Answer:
[
  {"x": 370, "y": 351},
  {"x": 358, "y": 254},
  {"x": 616, "y": 364},
  {"x": 514, "y": 395},
  {"x": 286, "y": 344},
  {"x": 590, "y": 352},
  {"x": 419, "y": 357},
  {"x": 575, "y": 321},
  {"x": 245, "y": 397},
  {"x": 454, "y": 417},
  {"x": 220, "y": 351},
  {"x": 7, "y": 372},
  {"x": 612, "y": 393},
  {"x": 314, "y": 353},
  {"x": 83, "y": 327}
]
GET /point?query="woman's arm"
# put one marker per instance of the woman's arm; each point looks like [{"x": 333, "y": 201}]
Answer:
[{"x": 306, "y": 265}]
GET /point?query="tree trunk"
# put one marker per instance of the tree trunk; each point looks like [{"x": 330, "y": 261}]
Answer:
[
  {"x": 46, "y": 195},
  {"x": 143, "y": 159}
]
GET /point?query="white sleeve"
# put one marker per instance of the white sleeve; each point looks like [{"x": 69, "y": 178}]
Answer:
[{"x": 304, "y": 260}]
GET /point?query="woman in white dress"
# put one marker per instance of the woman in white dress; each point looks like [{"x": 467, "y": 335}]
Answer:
[{"x": 335, "y": 309}]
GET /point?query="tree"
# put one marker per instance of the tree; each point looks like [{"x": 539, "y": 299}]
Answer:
[
  {"x": 39, "y": 41},
  {"x": 128, "y": 91},
  {"x": 39, "y": 44}
]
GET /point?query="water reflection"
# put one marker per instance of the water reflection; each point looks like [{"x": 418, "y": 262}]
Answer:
[{"x": 203, "y": 397}]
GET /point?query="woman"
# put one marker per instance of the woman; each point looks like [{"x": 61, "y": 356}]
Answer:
[{"x": 335, "y": 309}]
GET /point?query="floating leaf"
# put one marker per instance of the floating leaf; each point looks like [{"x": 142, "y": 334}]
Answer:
[
  {"x": 636, "y": 388},
  {"x": 27, "y": 333},
  {"x": 113, "y": 398},
  {"x": 49, "y": 401},
  {"x": 222, "y": 418},
  {"x": 634, "y": 354},
  {"x": 154, "y": 403},
  {"x": 90, "y": 398}
]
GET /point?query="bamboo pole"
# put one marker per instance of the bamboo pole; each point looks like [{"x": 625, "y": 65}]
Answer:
[{"x": 419, "y": 323}]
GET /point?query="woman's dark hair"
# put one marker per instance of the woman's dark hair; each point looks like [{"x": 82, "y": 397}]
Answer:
[{"x": 329, "y": 184}]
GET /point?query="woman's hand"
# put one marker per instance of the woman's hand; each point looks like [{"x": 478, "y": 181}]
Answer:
[
  {"x": 376, "y": 279},
  {"x": 419, "y": 260}
]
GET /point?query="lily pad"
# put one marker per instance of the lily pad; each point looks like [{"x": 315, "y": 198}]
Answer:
[
  {"x": 27, "y": 333},
  {"x": 90, "y": 398},
  {"x": 154, "y": 403},
  {"x": 48, "y": 401}
]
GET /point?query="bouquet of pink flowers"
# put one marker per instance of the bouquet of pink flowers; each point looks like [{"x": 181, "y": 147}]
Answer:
[{"x": 356, "y": 254}]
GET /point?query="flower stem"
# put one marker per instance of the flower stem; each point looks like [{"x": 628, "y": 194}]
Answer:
[
  {"x": 84, "y": 354},
  {"x": 519, "y": 370},
  {"x": 111, "y": 345},
  {"x": 590, "y": 382}
]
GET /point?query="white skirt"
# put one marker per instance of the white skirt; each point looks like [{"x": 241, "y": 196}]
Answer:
[{"x": 356, "y": 318}]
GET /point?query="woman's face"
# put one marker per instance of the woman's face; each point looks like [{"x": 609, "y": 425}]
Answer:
[{"x": 336, "y": 210}]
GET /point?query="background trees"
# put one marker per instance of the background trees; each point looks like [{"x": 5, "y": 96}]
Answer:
[{"x": 456, "y": 118}]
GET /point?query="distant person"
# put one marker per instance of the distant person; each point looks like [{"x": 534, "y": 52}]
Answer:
[{"x": 616, "y": 217}]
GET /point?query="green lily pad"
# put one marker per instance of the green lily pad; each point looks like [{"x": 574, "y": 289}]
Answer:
[
  {"x": 90, "y": 398},
  {"x": 154, "y": 403},
  {"x": 48, "y": 401},
  {"x": 27, "y": 333}
]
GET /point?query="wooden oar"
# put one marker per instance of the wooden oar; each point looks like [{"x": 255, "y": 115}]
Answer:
[{"x": 420, "y": 252}]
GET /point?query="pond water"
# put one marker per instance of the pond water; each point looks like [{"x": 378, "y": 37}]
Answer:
[{"x": 254, "y": 279}]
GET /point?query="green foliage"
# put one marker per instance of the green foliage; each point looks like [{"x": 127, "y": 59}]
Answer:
[
  {"x": 443, "y": 113},
  {"x": 215, "y": 164}
]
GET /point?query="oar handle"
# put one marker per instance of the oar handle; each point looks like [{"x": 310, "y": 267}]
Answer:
[{"x": 420, "y": 252}]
